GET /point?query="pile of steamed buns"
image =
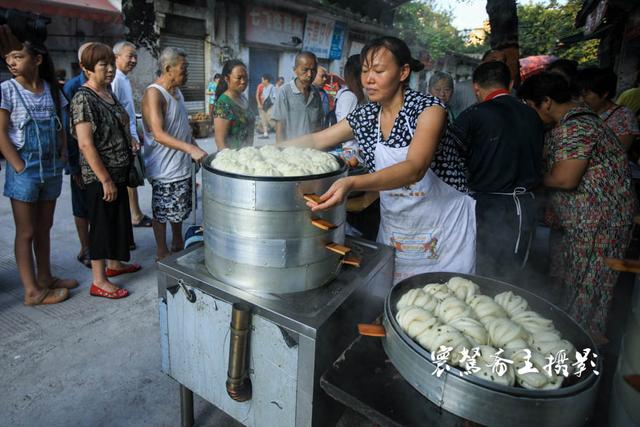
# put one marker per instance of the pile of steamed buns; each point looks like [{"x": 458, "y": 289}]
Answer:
[
  {"x": 455, "y": 314},
  {"x": 274, "y": 161}
]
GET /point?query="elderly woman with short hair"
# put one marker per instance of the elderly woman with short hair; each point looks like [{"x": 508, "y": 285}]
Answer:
[
  {"x": 441, "y": 86},
  {"x": 101, "y": 126},
  {"x": 169, "y": 149}
]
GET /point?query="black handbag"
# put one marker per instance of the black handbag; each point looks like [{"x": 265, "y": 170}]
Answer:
[
  {"x": 135, "y": 177},
  {"x": 268, "y": 101}
]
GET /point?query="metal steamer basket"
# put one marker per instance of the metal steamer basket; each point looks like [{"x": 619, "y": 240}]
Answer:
[
  {"x": 482, "y": 401},
  {"x": 258, "y": 231}
]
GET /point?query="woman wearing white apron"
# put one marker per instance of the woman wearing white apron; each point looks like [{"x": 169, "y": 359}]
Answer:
[{"x": 429, "y": 223}]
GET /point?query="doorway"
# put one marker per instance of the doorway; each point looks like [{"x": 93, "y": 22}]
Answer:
[{"x": 261, "y": 61}]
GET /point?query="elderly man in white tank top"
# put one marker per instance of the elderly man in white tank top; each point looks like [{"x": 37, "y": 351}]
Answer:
[{"x": 169, "y": 149}]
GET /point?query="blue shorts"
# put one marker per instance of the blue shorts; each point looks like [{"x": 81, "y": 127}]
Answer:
[{"x": 27, "y": 186}]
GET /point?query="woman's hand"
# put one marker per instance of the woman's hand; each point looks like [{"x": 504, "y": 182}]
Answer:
[
  {"x": 21, "y": 167},
  {"x": 135, "y": 146},
  {"x": 109, "y": 190},
  {"x": 334, "y": 196}
]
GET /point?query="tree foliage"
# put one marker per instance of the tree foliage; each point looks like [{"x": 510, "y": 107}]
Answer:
[
  {"x": 425, "y": 26},
  {"x": 542, "y": 26},
  {"x": 421, "y": 24}
]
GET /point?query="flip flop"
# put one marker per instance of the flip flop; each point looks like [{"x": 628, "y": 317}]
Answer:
[
  {"x": 49, "y": 296},
  {"x": 175, "y": 249},
  {"x": 131, "y": 268},
  {"x": 144, "y": 222},
  {"x": 59, "y": 283}
]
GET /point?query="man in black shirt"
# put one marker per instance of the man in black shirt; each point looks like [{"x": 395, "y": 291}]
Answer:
[{"x": 504, "y": 139}]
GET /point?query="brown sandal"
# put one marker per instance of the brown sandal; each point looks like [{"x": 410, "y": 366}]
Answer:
[{"x": 49, "y": 296}]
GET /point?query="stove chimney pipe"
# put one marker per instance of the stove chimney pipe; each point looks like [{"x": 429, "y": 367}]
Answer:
[{"x": 238, "y": 383}]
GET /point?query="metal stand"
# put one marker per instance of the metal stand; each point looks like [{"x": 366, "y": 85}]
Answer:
[{"x": 186, "y": 407}]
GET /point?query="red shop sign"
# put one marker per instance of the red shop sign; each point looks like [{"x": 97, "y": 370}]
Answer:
[{"x": 274, "y": 27}]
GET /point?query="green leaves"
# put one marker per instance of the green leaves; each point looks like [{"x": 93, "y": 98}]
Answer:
[
  {"x": 422, "y": 25},
  {"x": 541, "y": 27}
]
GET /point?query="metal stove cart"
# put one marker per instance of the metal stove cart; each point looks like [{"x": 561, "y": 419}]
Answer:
[{"x": 293, "y": 338}]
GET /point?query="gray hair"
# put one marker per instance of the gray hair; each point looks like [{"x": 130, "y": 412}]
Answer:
[
  {"x": 169, "y": 57},
  {"x": 439, "y": 75},
  {"x": 117, "y": 48},
  {"x": 82, "y": 47}
]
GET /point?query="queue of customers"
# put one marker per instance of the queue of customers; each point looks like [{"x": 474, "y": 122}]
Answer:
[
  {"x": 457, "y": 177},
  {"x": 90, "y": 129}
]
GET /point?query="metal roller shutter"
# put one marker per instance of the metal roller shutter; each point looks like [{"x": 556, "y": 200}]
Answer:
[{"x": 194, "y": 90}]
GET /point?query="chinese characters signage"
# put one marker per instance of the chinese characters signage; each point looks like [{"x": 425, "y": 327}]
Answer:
[
  {"x": 339, "y": 32},
  {"x": 272, "y": 27},
  {"x": 324, "y": 37}
]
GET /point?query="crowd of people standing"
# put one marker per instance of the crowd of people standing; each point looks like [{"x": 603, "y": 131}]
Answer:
[
  {"x": 459, "y": 169},
  {"x": 89, "y": 128}
]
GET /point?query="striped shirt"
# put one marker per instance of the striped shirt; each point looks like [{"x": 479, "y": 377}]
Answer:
[{"x": 40, "y": 107}]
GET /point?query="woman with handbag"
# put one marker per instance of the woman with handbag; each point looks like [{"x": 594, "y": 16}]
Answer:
[
  {"x": 101, "y": 126},
  {"x": 233, "y": 121},
  {"x": 265, "y": 95}
]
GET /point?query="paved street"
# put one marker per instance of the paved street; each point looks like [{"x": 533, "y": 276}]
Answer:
[{"x": 88, "y": 361}]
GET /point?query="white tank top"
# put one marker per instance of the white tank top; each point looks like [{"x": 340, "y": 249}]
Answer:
[{"x": 161, "y": 162}]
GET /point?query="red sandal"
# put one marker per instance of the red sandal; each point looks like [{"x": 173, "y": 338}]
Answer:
[
  {"x": 99, "y": 292},
  {"x": 131, "y": 268}
]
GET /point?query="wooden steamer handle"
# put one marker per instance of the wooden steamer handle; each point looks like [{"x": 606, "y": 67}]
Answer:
[
  {"x": 311, "y": 197},
  {"x": 323, "y": 224},
  {"x": 371, "y": 330},
  {"x": 623, "y": 265}
]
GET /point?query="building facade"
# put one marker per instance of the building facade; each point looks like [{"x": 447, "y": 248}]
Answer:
[{"x": 265, "y": 35}]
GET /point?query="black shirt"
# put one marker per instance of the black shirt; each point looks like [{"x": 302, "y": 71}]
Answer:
[{"x": 504, "y": 140}]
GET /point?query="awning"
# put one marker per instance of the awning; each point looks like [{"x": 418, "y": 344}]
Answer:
[{"x": 93, "y": 10}]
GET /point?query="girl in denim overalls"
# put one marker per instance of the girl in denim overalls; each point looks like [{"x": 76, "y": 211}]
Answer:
[{"x": 32, "y": 141}]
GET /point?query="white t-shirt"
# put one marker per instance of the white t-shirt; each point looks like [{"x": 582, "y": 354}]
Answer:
[
  {"x": 40, "y": 107},
  {"x": 346, "y": 102},
  {"x": 121, "y": 87}
]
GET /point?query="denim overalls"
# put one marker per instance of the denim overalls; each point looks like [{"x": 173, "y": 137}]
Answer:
[{"x": 41, "y": 179}]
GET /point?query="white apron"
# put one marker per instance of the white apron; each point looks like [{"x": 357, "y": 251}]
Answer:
[{"x": 431, "y": 225}]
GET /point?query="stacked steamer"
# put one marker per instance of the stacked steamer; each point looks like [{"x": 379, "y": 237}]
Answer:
[
  {"x": 258, "y": 232},
  {"x": 457, "y": 315},
  {"x": 433, "y": 310}
]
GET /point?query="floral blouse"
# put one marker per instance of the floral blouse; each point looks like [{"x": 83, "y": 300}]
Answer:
[
  {"x": 621, "y": 120},
  {"x": 241, "y": 121},
  {"x": 604, "y": 195},
  {"x": 111, "y": 137}
]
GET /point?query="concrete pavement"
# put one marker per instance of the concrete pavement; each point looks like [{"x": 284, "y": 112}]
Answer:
[{"x": 88, "y": 361}]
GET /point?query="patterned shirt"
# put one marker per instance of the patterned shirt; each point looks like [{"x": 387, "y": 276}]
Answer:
[
  {"x": 40, "y": 106},
  {"x": 111, "y": 137},
  {"x": 211, "y": 88},
  {"x": 621, "y": 120},
  {"x": 604, "y": 192},
  {"x": 364, "y": 124},
  {"x": 241, "y": 121}
]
